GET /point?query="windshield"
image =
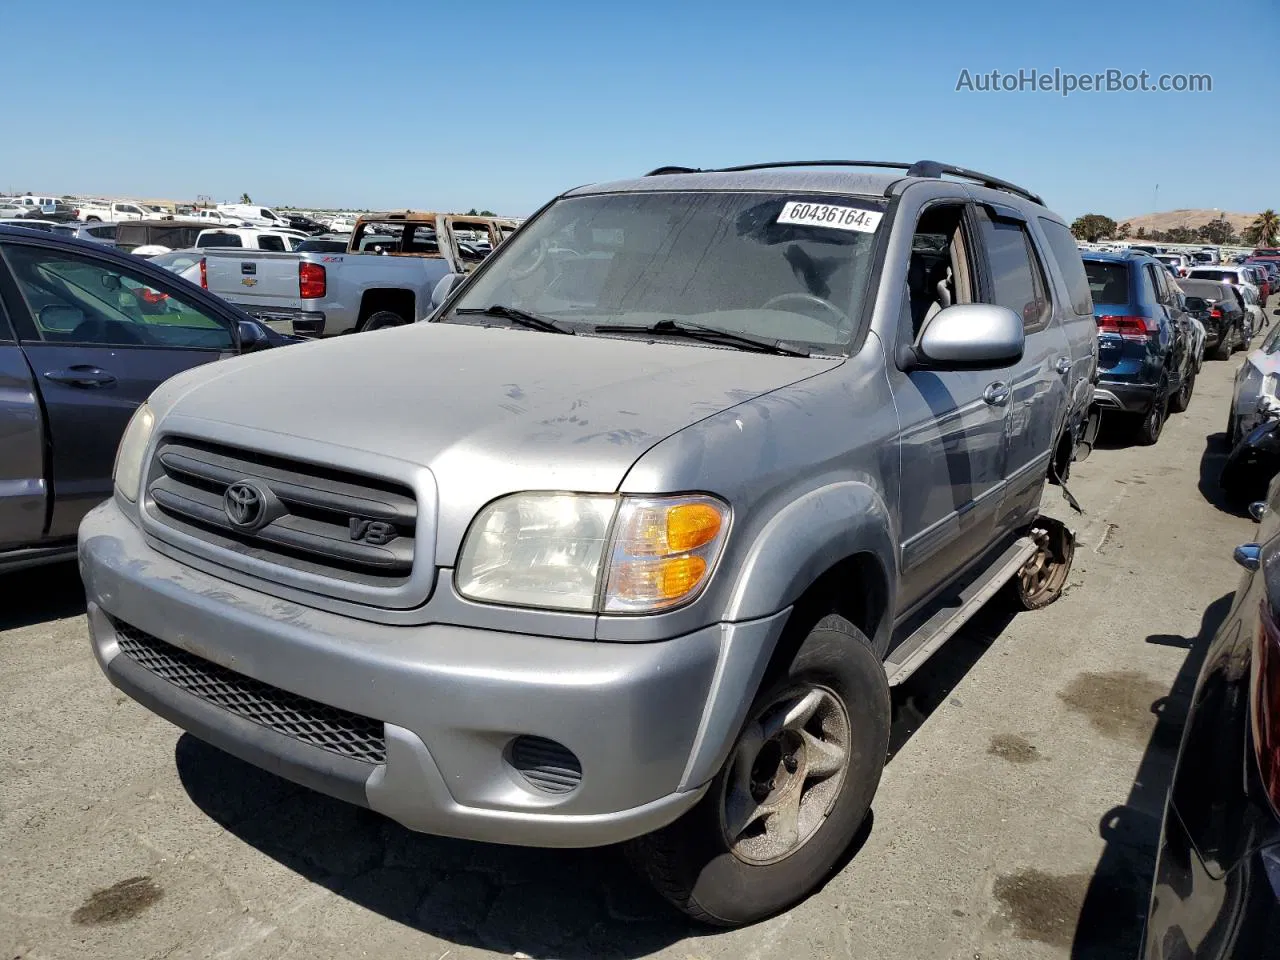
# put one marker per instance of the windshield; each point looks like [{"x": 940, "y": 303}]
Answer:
[{"x": 778, "y": 266}]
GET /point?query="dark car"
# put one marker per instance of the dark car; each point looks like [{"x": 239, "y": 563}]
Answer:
[
  {"x": 298, "y": 222},
  {"x": 1218, "y": 307},
  {"x": 86, "y": 333},
  {"x": 1145, "y": 362},
  {"x": 320, "y": 245},
  {"x": 1217, "y": 882},
  {"x": 174, "y": 234}
]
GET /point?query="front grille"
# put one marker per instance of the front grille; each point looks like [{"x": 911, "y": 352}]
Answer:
[
  {"x": 329, "y": 728},
  {"x": 313, "y": 519}
]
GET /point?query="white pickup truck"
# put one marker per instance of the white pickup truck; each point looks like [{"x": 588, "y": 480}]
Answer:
[
  {"x": 249, "y": 238},
  {"x": 114, "y": 211},
  {"x": 384, "y": 279}
]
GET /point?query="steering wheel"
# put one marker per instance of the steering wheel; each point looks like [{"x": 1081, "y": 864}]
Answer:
[
  {"x": 523, "y": 273},
  {"x": 811, "y": 300}
]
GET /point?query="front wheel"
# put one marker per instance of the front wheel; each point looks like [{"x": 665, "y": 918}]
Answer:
[{"x": 791, "y": 797}]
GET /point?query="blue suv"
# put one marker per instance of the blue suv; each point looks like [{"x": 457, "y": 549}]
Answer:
[{"x": 1145, "y": 362}]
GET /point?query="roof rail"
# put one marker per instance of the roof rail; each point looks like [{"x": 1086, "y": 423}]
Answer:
[{"x": 921, "y": 168}]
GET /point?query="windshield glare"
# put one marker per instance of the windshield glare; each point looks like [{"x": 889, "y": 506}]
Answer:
[{"x": 719, "y": 259}]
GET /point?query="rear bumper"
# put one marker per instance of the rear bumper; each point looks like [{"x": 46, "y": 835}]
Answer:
[
  {"x": 1125, "y": 397},
  {"x": 448, "y": 701},
  {"x": 304, "y": 323}
]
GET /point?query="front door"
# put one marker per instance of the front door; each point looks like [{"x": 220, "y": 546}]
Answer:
[
  {"x": 99, "y": 338},
  {"x": 22, "y": 480},
  {"x": 952, "y": 422},
  {"x": 1017, "y": 279}
]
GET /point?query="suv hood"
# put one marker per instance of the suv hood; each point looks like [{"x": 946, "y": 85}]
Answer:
[{"x": 488, "y": 410}]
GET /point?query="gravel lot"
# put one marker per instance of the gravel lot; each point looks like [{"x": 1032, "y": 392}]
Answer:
[{"x": 1017, "y": 818}]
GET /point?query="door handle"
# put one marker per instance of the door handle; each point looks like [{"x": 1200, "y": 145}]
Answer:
[
  {"x": 81, "y": 375},
  {"x": 1063, "y": 366},
  {"x": 996, "y": 394}
]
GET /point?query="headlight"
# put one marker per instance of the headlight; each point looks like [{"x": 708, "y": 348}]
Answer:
[
  {"x": 592, "y": 553},
  {"x": 128, "y": 468}
]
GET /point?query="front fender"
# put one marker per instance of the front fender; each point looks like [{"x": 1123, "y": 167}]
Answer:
[
  {"x": 808, "y": 537},
  {"x": 804, "y": 540}
]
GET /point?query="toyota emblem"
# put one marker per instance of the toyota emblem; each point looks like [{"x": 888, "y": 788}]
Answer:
[{"x": 244, "y": 505}]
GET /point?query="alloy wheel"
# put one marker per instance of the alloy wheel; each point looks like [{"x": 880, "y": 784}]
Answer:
[{"x": 786, "y": 773}]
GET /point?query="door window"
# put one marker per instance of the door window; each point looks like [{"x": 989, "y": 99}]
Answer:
[
  {"x": 1017, "y": 278},
  {"x": 1065, "y": 251},
  {"x": 74, "y": 299}
]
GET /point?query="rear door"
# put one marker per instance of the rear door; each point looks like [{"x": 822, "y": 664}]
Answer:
[
  {"x": 22, "y": 480},
  {"x": 99, "y": 338}
]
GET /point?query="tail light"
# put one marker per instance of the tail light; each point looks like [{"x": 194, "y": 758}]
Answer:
[
  {"x": 1266, "y": 702},
  {"x": 1128, "y": 327},
  {"x": 204, "y": 275},
  {"x": 1215, "y": 313},
  {"x": 311, "y": 280},
  {"x": 152, "y": 296}
]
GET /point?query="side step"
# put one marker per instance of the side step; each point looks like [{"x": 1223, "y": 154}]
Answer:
[{"x": 912, "y": 653}]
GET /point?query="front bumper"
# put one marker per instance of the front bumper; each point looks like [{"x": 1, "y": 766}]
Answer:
[
  {"x": 647, "y": 721},
  {"x": 1195, "y": 913},
  {"x": 1125, "y": 397}
]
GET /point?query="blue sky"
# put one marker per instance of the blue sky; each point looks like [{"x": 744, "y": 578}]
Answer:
[{"x": 504, "y": 104}]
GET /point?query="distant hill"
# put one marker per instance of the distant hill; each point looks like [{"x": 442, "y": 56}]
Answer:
[{"x": 1187, "y": 218}]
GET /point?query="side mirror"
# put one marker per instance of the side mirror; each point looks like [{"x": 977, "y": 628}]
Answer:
[
  {"x": 448, "y": 283},
  {"x": 252, "y": 336},
  {"x": 60, "y": 317},
  {"x": 111, "y": 281},
  {"x": 968, "y": 336}
]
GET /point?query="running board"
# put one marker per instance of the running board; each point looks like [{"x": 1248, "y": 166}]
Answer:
[{"x": 912, "y": 653}]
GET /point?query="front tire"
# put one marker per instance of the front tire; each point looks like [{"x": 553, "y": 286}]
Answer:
[{"x": 791, "y": 797}]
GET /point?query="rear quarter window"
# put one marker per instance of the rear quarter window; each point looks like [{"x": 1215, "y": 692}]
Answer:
[
  {"x": 271, "y": 243},
  {"x": 1067, "y": 255}
]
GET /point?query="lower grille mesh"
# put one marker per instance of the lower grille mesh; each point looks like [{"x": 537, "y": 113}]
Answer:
[{"x": 329, "y": 728}]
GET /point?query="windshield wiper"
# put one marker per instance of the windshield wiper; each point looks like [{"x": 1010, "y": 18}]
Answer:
[
  {"x": 516, "y": 315},
  {"x": 696, "y": 331}
]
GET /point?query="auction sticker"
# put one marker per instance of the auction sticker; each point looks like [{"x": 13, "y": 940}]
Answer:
[{"x": 827, "y": 215}]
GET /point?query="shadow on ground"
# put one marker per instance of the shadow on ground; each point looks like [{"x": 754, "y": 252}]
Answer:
[
  {"x": 1115, "y": 904},
  {"x": 40, "y": 594},
  {"x": 568, "y": 904},
  {"x": 1216, "y": 450}
]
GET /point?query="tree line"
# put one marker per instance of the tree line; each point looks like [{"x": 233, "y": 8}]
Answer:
[{"x": 1263, "y": 232}]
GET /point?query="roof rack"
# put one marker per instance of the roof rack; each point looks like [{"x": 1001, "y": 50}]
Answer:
[{"x": 921, "y": 168}]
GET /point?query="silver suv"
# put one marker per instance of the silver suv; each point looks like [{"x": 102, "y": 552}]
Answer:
[{"x": 630, "y": 541}]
